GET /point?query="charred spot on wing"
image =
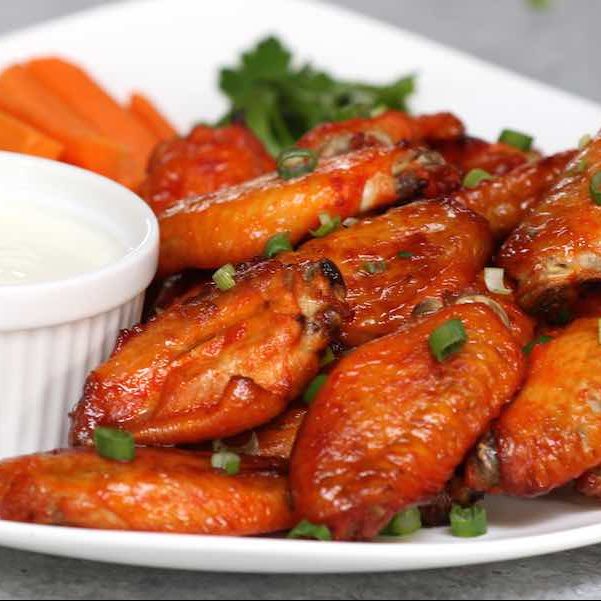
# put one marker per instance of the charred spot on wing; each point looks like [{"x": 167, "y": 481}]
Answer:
[{"x": 331, "y": 272}]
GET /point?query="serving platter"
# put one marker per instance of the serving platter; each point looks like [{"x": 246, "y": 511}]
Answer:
[{"x": 172, "y": 49}]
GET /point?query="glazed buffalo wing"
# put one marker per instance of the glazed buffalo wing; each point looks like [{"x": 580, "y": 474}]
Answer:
[
  {"x": 505, "y": 200},
  {"x": 557, "y": 247},
  {"x": 219, "y": 363},
  {"x": 160, "y": 490},
  {"x": 391, "y": 424},
  {"x": 403, "y": 262},
  {"x": 551, "y": 433},
  {"x": 233, "y": 225},
  {"x": 387, "y": 129},
  {"x": 206, "y": 160}
]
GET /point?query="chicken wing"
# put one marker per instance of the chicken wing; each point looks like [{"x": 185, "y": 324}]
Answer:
[
  {"x": 161, "y": 491},
  {"x": 206, "y": 160},
  {"x": 219, "y": 363},
  {"x": 387, "y": 129},
  {"x": 391, "y": 423},
  {"x": 467, "y": 153},
  {"x": 233, "y": 225},
  {"x": 402, "y": 262},
  {"x": 504, "y": 200},
  {"x": 551, "y": 433},
  {"x": 558, "y": 245}
]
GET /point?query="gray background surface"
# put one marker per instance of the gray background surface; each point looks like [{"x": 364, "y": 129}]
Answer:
[{"x": 558, "y": 46}]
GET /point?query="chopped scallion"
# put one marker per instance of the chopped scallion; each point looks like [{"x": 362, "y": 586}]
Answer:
[
  {"x": 584, "y": 141},
  {"x": 114, "y": 444},
  {"x": 306, "y": 529},
  {"x": 474, "y": 177},
  {"x": 295, "y": 162},
  {"x": 227, "y": 461},
  {"x": 224, "y": 277},
  {"x": 314, "y": 387},
  {"x": 373, "y": 267},
  {"x": 277, "y": 244},
  {"x": 328, "y": 225},
  {"x": 404, "y": 523},
  {"x": 447, "y": 339},
  {"x": 468, "y": 522},
  {"x": 595, "y": 188},
  {"x": 516, "y": 139},
  {"x": 404, "y": 254},
  {"x": 538, "y": 340},
  {"x": 328, "y": 357}
]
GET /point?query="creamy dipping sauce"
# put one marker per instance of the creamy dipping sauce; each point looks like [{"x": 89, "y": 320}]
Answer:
[{"x": 38, "y": 244}]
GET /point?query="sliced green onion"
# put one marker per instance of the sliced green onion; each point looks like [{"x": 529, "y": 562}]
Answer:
[
  {"x": 295, "y": 162},
  {"x": 595, "y": 188},
  {"x": 516, "y": 139},
  {"x": 404, "y": 523},
  {"x": 227, "y": 461},
  {"x": 563, "y": 317},
  {"x": 494, "y": 278},
  {"x": 584, "y": 141},
  {"x": 474, "y": 177},
  {"x": 305, "y": 529},
  {"x": 535, "y": 342},
  {"x": 224, "y": 277},
  {"x": 328, "y": 225},
  {"x": 328, "y": 357},
  {"x": 468, "y": 522},
  {"x": 373, "y": 267},
  {"x": 447, "y": 339},
  {"x": 114, "y": 444},
  {"x": 404, "y": 254},
  {"x": 279, "y": 243},
  {"x": 314, "y": 387}
]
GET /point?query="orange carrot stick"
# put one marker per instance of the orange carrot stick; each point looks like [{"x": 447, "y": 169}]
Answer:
[
  {"x": 86, "y": 98},
  {"x": 147, "y": 113},
  {"x": 17, "y": 136},
  {"x": 23, "y": 96}
]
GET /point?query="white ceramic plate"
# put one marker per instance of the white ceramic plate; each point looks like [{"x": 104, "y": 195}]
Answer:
[{"x": 172, "y": 50}]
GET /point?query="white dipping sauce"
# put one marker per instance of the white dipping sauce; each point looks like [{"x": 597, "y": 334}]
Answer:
[{"x": 38, "y": 244}]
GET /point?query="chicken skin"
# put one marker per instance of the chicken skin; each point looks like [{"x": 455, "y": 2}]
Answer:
[
  {"x": 403, "y": 261},
  {"x": 551, "y": 433},
  {"x": 233, "y": 225},
  {"x": 557, "y": 247},
  {"x": 206, "y": 160},
  {"x": 391, "y": 424},
  {"x": 387, "y": 129},
  {"x": 219, "y": 363},
  {"x": 505, "y": 200},
  {"x": 159, "y": 491},
  {"x": 467, "y": 153}
]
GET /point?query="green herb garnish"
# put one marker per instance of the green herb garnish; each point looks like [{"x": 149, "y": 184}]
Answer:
[
  {"x": 114, "y": 444},
  {"x": 280, "y": 101}
]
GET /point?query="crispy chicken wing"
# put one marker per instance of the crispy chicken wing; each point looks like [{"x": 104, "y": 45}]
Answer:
[
  {"x": 161, "y": 491},
  {"x": 219, "y": 363},
  {"x": 403, "y": 262},
  {"x": 391, "y": 424},
  {"x": 206, "y": 160},
  {"x": 467, "y": 153},
  {"x": 504, "y": 200},
  {"x": 558, "y": 245},
  {"x": 387, "y": 129},
  {"x": 233, "y": 225},
  {"x": 551, "y": 433}
]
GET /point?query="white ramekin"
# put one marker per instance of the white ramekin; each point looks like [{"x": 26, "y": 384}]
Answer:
[{"x": 52, "y": 334}]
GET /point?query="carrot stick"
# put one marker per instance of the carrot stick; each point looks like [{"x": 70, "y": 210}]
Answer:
[
  {"x": 147, "y": 113},
  {"x": 23, "y": 96},
  {"x": 17, "y": 136},
  {"x": 86, "y": 98}
]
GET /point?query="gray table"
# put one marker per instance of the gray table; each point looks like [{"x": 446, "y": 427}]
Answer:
[{"x": 559, "y": 46}]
